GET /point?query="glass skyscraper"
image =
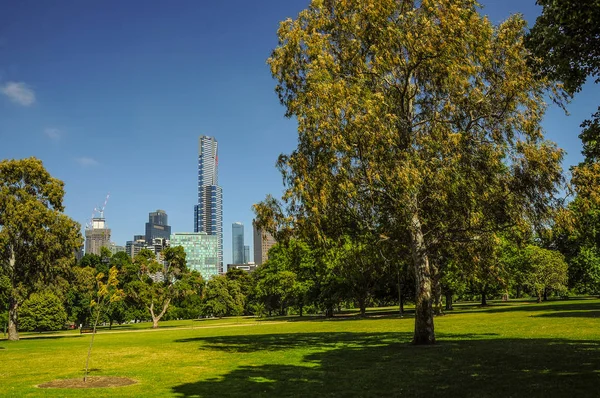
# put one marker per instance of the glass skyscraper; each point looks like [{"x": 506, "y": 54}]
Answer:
[
  {"x": 157, "y": 226},
  {"x": 208, "y": 213},
  {"x": 237, "y": 243},
  {"x": 201, "y": 252}
]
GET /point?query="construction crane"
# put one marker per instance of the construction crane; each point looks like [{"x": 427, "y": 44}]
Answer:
[{"x": 100, "y": 210}]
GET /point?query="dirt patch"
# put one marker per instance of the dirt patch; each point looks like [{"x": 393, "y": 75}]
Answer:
[{"x": 92, "y": 382}]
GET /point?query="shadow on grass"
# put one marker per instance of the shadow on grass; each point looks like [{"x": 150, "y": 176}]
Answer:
[
  {"x": 592, "y": 304},
  {"x": 386, "y": 364},
  {"x": 570, "y": 314}
]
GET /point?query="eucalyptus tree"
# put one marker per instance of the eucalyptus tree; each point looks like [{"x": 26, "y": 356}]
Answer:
[
  {"x": 37, "y": 240},
  {"x": 420, "y": 118}
]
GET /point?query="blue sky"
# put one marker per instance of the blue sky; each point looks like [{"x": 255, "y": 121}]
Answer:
[{"x": 112, "y": 96}]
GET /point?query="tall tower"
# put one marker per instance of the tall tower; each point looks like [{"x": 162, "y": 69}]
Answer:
[
  {"x": 208, "y": 213},
  {"x": 237, "y": 236}
]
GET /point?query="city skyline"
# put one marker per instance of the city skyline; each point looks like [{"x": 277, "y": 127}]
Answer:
[{"x": 114, "y": 101}]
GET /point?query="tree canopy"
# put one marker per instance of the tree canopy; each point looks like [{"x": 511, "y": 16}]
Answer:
[
  {"x": 418, "y": 122},
  {"x": 37, "y": 240}
]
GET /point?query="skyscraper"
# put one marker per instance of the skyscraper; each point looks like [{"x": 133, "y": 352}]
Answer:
[
  {"x": 157, "y": 226},
  {"x": 208, "y": 213},
  {"x": 246, "y": 254},
  {"x": 96, "y": 236},
  {"x": 263, "y": 241},
  {"x": 201, "y": 251},
  {"x": 237, "y": 243}
]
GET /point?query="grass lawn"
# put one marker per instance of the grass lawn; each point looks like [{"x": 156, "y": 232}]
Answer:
[{"x": 504, "y": 350}]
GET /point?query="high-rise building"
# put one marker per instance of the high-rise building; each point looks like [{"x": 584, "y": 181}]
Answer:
[
  {"x": 237, "y": 242},
  {"x": 133, "y": 247},
  {"x": 246, "y": 254},
  {"x": 157, "y": 226},
  {"x": 201, "y": 251},
  {"x": 263, "y": 241},
  {"x": 208, "y": 213},
  {"x": 114, "y": 248},
  {"x": 96, "y": 236}
]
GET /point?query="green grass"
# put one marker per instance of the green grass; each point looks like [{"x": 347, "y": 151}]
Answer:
[{"x": 508, "y": 349}]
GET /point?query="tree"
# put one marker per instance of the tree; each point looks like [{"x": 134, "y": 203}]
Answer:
[
  {"x": 547, "y": 271},
  {"x": 155, "y": 285},
  {"x": 107, "y": 292},
  {"x": 223, "y": 297},
  {"x": 41, "y": 312},
  {"x": 417, "y": 121},
  {"x": 565, "y": 41},
  {"x": 37, "y": 241}
]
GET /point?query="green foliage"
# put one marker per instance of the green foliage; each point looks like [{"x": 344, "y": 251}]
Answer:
[
  {"x": 223, "y": 297},
  {"x": 37, "y": 241},
  {"x": 546, "y": 270},
  {"x": 42, "y": 312},
  {"x": 566, "y": 41},
  {"x": 585, "y": 269},
  {"x": 418, "y": 122},
  {"x": 153, "y": 285}
]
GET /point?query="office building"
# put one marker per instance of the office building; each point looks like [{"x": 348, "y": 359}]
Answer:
[
  {"x": 246, "y": 254},
  {"x": 201, "y": 251},
  {"x": 237, "y": 242},
  {"x": 97, "y": 235},
  {"x": 157, "y": 226},
  {"x": 263, "y": 241},
  {"x": 208, "y": 213},
  {"x": 133, "y": 247},
  {"x": 114, "y": 248}
]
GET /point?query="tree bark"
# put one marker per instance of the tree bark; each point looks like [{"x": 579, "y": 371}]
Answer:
[
  {"x": 156, "y": 318},
  {"x": 13, "y": 311},
  {"x": 329, "y": 311},
  {"x": 13, "y": 305},
  {"x": 362, "y": 304},
  {"x": 437, "y": 290},
  {"x": 483, "y": 297},
  {"x": 424, "y": 330},
  {"x": 545, "y": 294},
  {"x": 449, "y": 301}
]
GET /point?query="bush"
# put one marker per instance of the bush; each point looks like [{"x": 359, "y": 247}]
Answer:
[{"x": 42, "y": 312}]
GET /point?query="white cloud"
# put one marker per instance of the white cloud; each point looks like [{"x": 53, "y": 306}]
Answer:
[
  {"x": 86, "y": 162},
  {"x": 53, "y": 134},
  {"x": 19, "y": 93}
]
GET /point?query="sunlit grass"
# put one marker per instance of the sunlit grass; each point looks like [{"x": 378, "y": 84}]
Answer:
[{"x": 507, "y": 349}]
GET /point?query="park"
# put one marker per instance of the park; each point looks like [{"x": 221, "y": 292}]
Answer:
[
  {"x": 516, "y": 348},
  {"x": 429, "y": 239}
]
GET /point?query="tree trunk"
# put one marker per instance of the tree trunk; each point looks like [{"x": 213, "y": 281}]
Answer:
[
  {"x": 518, "y": 291},
  {"x": 329, "y": 311},
  {"x": 401, "y": 304},
  {"x": 13, "y": 316},
  {"x": 301, "y": 306},
  {"x": 156, "y": 318},
  {"x": 362, "y": 304},
  {"x": 483, "y": 297},
  {"x": 424, "y": 330},
  {"x": 545, "y": 294},
  {"x": 449, "y": 301},
  {"x": 437, "y": 290}
]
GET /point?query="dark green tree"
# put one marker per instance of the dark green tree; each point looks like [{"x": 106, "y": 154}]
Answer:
[
  {"x": 42, "y": 312},
  {"x": 223, "y": 297},
  {"x": 37, "y": 240}
]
